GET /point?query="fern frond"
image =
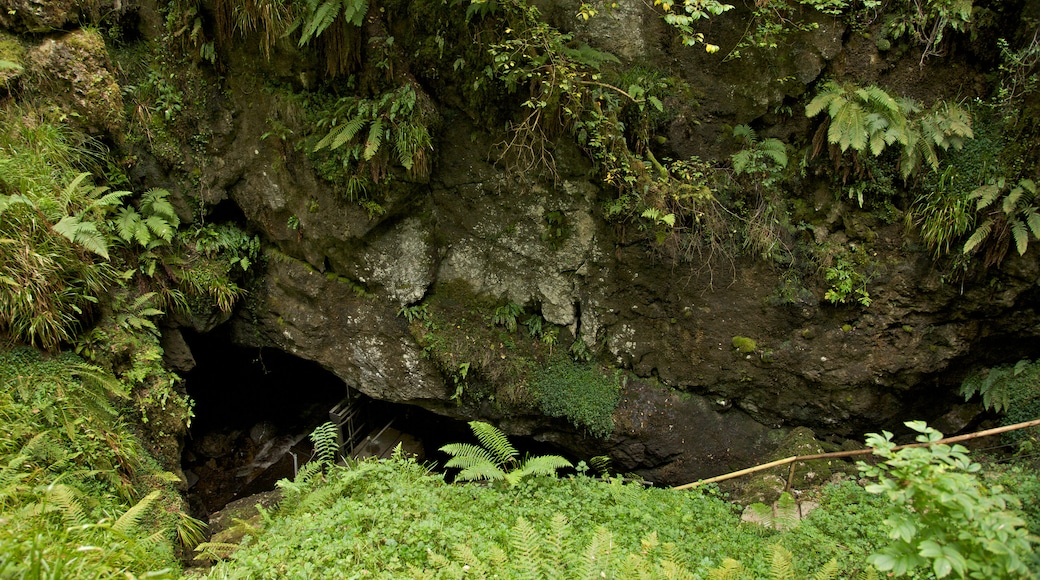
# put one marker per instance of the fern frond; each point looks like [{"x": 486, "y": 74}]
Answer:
[
  {"x": 482, "y": 472},
  {"x": 981, "y": 233},
  {"x": 1020, "y": 234},
  {"x": 159, "y": 228},
  {"x": 782, "y": 567},
  {"x": 321, "y": 498},
  {"x": 375, "y": 138},
  {"x": 83, "y": 233},
  {"x": 745, "y": 134},
  {"x": 829, "y": 571},
  {"x": 346, "y": 133},
  {"x": 495, "y": 441},
  {"x": 543, "y": 465},
  {"x": 595, "y": 561},
  {"x": 66, "y": 499},
  {"x": 729, "y": 570},
  {"x": 832, "y": 92},
  {"x": 467, "y": 455},
  {"x": 557, "y": 545},
  {"x": 525, "y": 543},
  {"x": 215, "y": 550},
  {"x": 774, "y": 149},
  {"x": 127, "y": 523},
  {"x": 92, "y": 376},
  {"x": 326, "y": 442},
  {"x": 986, "y": 194},
  {"x": 1033, "y": 220},
  {"x": 786, "y": 510}
]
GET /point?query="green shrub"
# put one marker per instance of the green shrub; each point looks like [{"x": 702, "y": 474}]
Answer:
[
  {"x": 582, "y": 393},
  {"x": 941, "y": 516}
]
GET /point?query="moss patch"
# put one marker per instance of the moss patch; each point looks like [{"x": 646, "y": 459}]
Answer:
[
  {"x": 744, "y": 345},
  {"x": 583, "y": 393}
]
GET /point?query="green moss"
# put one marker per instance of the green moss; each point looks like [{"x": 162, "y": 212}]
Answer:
[
  {"x": 744, "y": 345},
  {"x": 584, "y": 394}
]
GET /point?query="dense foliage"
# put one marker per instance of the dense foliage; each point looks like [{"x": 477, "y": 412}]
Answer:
[{"x": 80, "y": 496}]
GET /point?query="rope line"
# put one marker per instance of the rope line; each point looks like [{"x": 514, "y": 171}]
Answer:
[{"x": 835, "y": 454}]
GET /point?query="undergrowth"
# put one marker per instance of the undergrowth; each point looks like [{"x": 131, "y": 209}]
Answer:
[{"x": 78, "y": 491}]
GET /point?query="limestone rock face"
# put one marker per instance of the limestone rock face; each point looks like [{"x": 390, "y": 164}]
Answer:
[
  {"x": 338, "y": 273},
  {"x": 74, "y": 69},
  {"x": 361, "y": 340}
]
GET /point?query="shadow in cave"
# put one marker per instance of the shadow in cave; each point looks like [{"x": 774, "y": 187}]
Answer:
[{"x": 254, "y": 409}]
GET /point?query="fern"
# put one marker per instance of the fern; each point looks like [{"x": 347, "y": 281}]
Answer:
[
  {"x": 66, "y": 500},
  {"x": 1016, "y": 217},
  {"x": 129, "y": 523},
  {"x": 1005, "y": 386},
  {"x": 495, "y": 441},
  {"x": 782, "y": 564},
  {"x": 496, "y": 458},
  {"x": 326, "y": 442}
]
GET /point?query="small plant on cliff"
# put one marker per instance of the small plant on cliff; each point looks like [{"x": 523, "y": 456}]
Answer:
[
  {"x": 682, "y": 16},
  {"x": 361, "y": 133},
  {"x": 580, "y": 392},
  {"x": 1010, "y": 216},
  {"x": 495, "y": 459},
  {"x": 869, "y": 120},
  {"x": 941, "y": 516},
  {"x": 1011, "y": 390}
]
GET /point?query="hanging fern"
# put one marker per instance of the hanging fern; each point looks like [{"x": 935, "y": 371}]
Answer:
[{"x": 1014, "y": 218}]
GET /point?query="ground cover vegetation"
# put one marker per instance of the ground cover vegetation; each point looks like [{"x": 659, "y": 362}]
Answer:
[
  {"x": 395, "y": 518},
  {"x": 89, "y": 265}
]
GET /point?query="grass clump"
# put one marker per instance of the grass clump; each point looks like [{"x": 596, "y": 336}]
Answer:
[{"x": 583, "y": 393}]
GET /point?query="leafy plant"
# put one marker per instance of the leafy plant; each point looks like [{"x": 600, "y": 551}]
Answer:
[
  {"x": 943, "y": 214},
  {"x": 847, "y": 281},
  {"x": 927, "y": 22},
  {"x": 495, "y": 459},
  {"x": 868, "y": 119},
  {"x": 356, "y": 130},
  {"x": 582, "y": 393},
  {"x": 507, "y": 315},
  {"x": 942, "y": 517},
  {"x": 683, "y": 16},
  {"x": 153, "y": 225},
  {"x": 49, "y": 214},
  {"x": 1015, "y": 217},
  {"x": 1003, "y": 386}
]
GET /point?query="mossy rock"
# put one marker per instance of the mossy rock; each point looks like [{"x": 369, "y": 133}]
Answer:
[
  {"x": 744, "y": 345},
  {"x": 74, "y": 72},
  {"x": 12, "y": 60},
  {"x": 767, "y": 486}
]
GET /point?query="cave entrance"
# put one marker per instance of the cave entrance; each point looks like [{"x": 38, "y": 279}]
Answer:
[{"x": 254, "y": 409}]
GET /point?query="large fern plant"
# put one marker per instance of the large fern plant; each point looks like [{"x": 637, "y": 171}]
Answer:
[
  {"x": 1008, "y": 216},
  {"x": 869, "y": 120},
  {"x": 495, "y": 459}
]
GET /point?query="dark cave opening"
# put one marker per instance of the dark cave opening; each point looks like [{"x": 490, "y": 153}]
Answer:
[{"x": 254, "y": 409}]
